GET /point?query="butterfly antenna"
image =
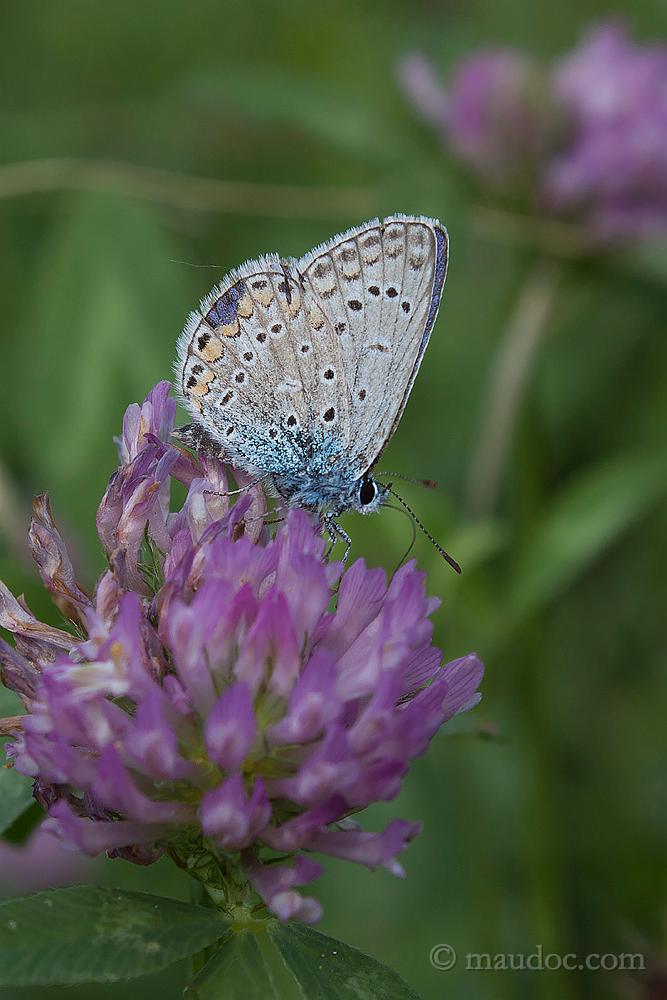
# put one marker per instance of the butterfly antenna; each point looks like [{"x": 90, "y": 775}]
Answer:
[
  {"x": 445, "y": 555},
  {"x": 428, "y": 484},
  {"x": 189, "y": 263}
]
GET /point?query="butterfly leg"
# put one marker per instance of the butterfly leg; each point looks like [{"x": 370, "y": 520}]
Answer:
[
  {"x": 348, "y": 542},
  {"x": 332, "y": 538},
  {"x": 267, "y": 513},
  {"x": 335, "y": 532}
]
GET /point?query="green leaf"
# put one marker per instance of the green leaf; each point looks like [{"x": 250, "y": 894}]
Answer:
[
  {"x": 24, "y": 825},
  {"x": 239, "y": 971},
  {"x": 19, "y": 813},
  {"x": 326, "y": 969},
  {"x": 95, "y": 934},
  {"x": 10, "y": 703},
  {"x": 15, "y": 796},
  {"x": 584, "y": 520}
]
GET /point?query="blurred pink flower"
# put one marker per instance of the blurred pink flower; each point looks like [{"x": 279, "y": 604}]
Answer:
[
  {"x": 613, "y": 171},
  {"x": 584, "y": 139},
  {"x": 497, "y": 115}
]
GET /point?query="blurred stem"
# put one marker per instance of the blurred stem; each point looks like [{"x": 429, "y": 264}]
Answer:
[
  {"x": 510, "y": 375},
  {"x": 551, "y": 237},
  {"x": 200, "y": 896},
  {"x": 206, "y": 194}
]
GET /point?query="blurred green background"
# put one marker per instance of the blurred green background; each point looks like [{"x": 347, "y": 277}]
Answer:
[{"x": 148, "y": 148}]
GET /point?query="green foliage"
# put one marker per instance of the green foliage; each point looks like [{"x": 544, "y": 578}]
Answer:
[
  {"x": 293, "y": 962},
  {"x": 330, "y": 970},
  {"x": 27, "y": 821},
  {"x": 10, "y": 703},
  {"x": 100, "y": 317},
  {"x": 583, "y": 521},
  {"x": 15, "y": 796},
  {"x": 335, "y": 119},
  {"x": 18, "y": 810},
  {"x": 238, "y": 971},
  {"x": 93, "y": 934}
]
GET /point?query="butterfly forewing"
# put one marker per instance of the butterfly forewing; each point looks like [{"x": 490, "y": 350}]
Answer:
[
  {"x": 258, "y": 364},
  {"x": 380, "y": 286},
  {"x": 286, "y": 359}
]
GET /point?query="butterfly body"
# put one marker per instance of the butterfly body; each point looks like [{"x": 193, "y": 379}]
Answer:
[
  {"x": 332, "y": 494},
  {"x": 299, "y": 370}
]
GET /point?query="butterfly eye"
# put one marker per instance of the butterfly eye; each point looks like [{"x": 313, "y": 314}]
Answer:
[{"x": 367, "y": 492}]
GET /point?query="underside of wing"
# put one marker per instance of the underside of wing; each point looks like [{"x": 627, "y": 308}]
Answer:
[
  {"x": 260, "y": 366},
  {"x": 379, "y": 286}
]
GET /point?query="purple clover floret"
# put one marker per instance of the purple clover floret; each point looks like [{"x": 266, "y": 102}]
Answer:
[
  {"x": 225, "y": 695},
  {"x": 497, "y": 114},
  {"x": 613, "y": 172},
  {"x": 583, "y": 139}
]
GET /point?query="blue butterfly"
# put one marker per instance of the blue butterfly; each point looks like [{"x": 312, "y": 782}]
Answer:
[{"x": 298, "y": 371}]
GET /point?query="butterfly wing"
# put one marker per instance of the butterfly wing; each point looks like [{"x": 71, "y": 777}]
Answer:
[
  {"x": 258, "y": 365},
  {"x": 380, "y": 287},
  {"x": 286, "y": 361}
]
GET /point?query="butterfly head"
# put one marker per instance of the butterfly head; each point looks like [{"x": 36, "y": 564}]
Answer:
[{"x": 367, "y": 495}]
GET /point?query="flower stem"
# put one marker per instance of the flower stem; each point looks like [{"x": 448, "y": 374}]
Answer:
[
  {"x": 184, "y": 191},
  {"x": 538, "y": 233},
  {"x": 200, "y": 896},
  {"x": 510, "y": 375}
]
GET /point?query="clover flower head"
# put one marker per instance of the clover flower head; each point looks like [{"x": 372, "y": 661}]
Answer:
[{"x": 229, "y": 698}]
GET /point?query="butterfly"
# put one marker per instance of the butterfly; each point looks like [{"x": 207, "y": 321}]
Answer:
[{"x": 298, "y": 371}]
